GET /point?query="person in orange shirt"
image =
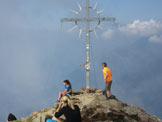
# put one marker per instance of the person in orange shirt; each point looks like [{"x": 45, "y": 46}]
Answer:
[{"x": 108, "y": 80}]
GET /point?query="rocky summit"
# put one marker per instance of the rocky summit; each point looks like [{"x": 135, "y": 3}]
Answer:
[{"x": 96, "y": 108}]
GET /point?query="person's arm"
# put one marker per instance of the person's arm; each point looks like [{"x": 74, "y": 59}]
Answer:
[
  {"x": 70, "y": 90},
  {"x": 60, "y": 106},
  {"x": 59, "y": 111},
  {"x": 65, "y": 90},
  {"x": 106, "y": 74}
]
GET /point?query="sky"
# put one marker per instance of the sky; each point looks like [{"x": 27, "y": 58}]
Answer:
[{"x": 38, "y": 52}]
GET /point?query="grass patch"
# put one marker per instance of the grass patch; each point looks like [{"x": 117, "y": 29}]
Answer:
[
  {"x": 17, "y": 121},
  {"x": 29, "y": 119}
]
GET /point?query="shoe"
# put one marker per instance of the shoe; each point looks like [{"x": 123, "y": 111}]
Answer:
[
  {"x": 112, "y": 97},
  {"x": 107, "y": 98}
]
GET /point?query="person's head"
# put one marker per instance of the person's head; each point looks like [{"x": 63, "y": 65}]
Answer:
[
  {"x": 104, "y": 64},
  {"x": 67, "y": 82},
  {"x": 66, "y": 101}
]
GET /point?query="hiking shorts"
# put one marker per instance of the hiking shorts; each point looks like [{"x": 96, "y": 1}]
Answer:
[
  {"x": 69, "y": 95},
  {"x": 108, "y": 85}
]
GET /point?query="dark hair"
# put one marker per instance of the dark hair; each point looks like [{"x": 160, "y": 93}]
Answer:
[
  {"x": 105, "y": 64},
  {"x": 11, "y": 117},
  {"x": 68, "y": 82}
]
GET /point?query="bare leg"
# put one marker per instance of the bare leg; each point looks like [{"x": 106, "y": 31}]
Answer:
[
  {"x": 60, "y": 95},
  {"x": 58, "y": 120},
  {"x": 108, "y": 93}
]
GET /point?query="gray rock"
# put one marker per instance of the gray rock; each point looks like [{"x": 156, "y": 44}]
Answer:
[{"x": 96, "y": 108}]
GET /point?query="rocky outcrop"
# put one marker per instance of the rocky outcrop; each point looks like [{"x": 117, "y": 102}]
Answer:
[{"x": 96, "y": 108}]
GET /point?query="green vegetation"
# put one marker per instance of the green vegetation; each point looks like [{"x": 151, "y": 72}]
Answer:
[
  {"x": 29, "y": 119},
  {"x": 17, "y": 121}
]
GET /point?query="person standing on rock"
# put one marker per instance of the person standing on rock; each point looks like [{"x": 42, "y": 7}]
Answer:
[
  {"x": 108, "y": 80},
  {"x": 66, "y": 108},
  {"x": 67, "y": 91}
]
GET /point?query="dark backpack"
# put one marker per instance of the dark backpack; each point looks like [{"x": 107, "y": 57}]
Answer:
[{"x": 11, "y": 117}]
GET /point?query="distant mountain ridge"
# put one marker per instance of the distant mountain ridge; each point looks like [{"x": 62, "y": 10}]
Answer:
[{"x": 96, "y": 108}]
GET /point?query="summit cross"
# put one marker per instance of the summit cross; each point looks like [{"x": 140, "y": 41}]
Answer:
[{"x": 87, "y": 19}]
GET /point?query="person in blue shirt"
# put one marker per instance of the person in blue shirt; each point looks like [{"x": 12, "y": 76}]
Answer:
[{"x": 67, "y": 91}]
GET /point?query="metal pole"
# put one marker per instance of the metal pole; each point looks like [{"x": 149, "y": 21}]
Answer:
[{"x": 87, "y": 65}]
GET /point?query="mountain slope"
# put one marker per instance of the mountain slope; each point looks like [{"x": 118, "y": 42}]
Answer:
[{"x": 96, "y": 108}]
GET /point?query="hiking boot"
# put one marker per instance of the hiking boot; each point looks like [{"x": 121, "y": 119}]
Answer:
[
  {"x": 58, "y": 101},
  {"x": 112, "y": 97},
  {"x": 107, "y": 98}
]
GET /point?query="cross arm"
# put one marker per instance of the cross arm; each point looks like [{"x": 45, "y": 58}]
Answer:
[
  {"x": 102, "y": 19},
  {"x": 71, "y": 19},
  {"x": 89, "y": 19}
]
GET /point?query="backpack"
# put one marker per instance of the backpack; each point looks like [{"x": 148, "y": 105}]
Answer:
[{"x": 11, "y": 117}]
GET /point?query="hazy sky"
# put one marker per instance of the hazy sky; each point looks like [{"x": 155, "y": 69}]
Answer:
[{"x": 37, "y": 52}]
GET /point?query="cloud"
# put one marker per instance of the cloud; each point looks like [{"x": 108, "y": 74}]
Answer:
[
  {"x": 156, "y": 39},
  {"x": 142, "y": 28},
  {"x": 28, "y": 55},
  {"x": 108, "y": 34},
  {"x": 151, "y": 29}
]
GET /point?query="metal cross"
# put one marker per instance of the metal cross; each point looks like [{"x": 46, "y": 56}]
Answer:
[{"x": 87, "y": 19}]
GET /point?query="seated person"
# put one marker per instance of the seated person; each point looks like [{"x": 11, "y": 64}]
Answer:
[
  {"x": 70, "y": 111},
  {"x": 48, "y": 118},
  {"x": 67, "y": 91},
  {"x": 11, "y": 117}
]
